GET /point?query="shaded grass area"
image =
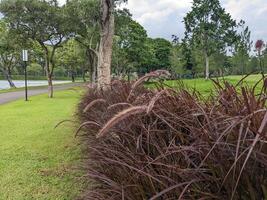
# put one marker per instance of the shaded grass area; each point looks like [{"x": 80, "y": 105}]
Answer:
[{"x": 36, "y": 160}]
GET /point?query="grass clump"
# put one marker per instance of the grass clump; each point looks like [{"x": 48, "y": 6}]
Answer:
[{"x": 175, "y": 144}]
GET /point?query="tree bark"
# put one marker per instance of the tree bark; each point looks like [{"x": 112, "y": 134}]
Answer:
[
  {"x": 207, "y": 70},
  {"x": 48, "y": 73},
  {"x": 50, "y": 86},
  {"x": 105, "y": 46}
]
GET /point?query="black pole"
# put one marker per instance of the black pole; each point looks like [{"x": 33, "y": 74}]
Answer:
[{"x": 26, "y": 87}]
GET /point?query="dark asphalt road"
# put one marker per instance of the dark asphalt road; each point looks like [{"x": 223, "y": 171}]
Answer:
[{"x": 12, "y": 96}]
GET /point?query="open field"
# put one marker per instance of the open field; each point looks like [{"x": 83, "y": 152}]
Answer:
[
  {"x": 38, "y": 161},
  {"x": 206, "y": 86}
]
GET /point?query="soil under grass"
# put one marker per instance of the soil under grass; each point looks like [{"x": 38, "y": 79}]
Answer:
[{"x": 36, "y": 160}]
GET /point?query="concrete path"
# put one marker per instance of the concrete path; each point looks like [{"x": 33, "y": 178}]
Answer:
[{"x": 12, "y": 96}]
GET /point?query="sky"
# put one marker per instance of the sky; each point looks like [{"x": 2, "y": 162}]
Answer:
[{"x": 163, "y": 18}]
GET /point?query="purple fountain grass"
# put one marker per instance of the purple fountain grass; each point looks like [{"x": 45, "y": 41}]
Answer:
[{"x": 166, "y": 144}]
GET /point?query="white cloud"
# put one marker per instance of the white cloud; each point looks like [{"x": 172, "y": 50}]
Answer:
[
  {"x": 61, "y": 2},
  {"x": 157, "y": 10},
  {"x": 243, "y": 8},
  {"x": 158, "y": 16},
  {"x": 254, "y": 12},
  {"x": 162, "y": 18}
]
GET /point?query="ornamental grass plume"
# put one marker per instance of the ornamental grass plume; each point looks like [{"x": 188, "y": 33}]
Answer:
[{"x": 175, "y": 144}]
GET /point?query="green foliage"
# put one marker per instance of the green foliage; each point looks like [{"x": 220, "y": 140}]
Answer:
[
  {"x": 157, "y": 55},
  {"x": 42, "y": 21},
  {"x": 44, "y": 27},
  {"x": 9, "y": 51},
  {"x": 176, "y": 60},
  {"x": 162, "y": 52},
  {"x": 242, "y": 49},
  {"x": 35, "y": 69},
  {"x": 70, "y": 58},
  {"x": 129, "y": 44},
  {"x": 83, "y": 18},
  {"x": 209, "y": 26}
]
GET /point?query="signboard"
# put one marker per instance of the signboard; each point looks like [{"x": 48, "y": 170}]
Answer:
[{"x": 25, "y": 55}]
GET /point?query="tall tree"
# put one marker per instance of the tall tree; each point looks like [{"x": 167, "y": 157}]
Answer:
[
  {"x": 107, "y": 26},
  {"x": 162, "y": 52},
  {"x": 210, "y": 28},
  {"x": 156, "y": 54},
  {"x": 40, "y": 21},
  {"x": 176, "y": 58}
]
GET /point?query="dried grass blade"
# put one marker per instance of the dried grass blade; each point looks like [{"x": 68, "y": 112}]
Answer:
[{"x": 119, "y": 117}]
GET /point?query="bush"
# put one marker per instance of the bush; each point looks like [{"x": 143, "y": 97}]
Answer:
[{"x": 174, "y": 144}]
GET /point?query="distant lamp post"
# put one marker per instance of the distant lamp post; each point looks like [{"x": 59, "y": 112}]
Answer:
[{"x": 25, "y": 60}]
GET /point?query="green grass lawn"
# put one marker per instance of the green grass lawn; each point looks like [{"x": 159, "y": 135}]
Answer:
[
  {"x": 40, "y": 162},
  {"x": 36, "y": 160},
  {"x": 206, "y": 86}
]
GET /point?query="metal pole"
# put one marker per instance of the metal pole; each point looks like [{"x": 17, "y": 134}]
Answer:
[{"x": 26, "y": 87}]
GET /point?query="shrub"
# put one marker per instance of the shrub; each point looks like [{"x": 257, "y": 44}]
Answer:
[{"x": 174, "y": 144}]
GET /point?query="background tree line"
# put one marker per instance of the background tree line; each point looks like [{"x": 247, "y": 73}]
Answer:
[{"x": 68, "y": 40}]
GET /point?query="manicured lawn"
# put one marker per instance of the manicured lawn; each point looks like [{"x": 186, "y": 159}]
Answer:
[
  {"x": 36, "y": 160},
  {"x": 206, "y": 86},
  {"x": 40, "y": 162}
]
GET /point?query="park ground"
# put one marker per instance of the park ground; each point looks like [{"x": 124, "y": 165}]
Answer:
[
  {"x": 38, "y": 161},
  {"x": 206, "y": 87}
]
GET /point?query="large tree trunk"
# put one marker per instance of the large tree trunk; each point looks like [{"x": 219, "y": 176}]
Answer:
[
  {"x": 207, "y": 70},
  {"x": 105, "y": 46}
]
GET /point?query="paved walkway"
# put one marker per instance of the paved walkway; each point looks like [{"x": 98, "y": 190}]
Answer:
[{"x": 12, "y": 96}]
